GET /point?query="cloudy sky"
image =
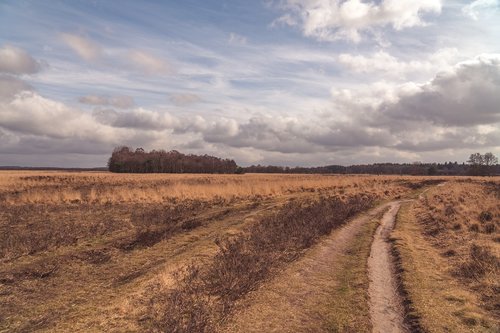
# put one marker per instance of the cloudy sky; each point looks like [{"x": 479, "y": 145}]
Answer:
[{"x": 286, "y": 82}]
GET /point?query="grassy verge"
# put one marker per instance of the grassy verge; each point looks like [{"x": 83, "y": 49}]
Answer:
[
  {"x": 434, "y": 299},
  {"x": 349, "y": 307}
]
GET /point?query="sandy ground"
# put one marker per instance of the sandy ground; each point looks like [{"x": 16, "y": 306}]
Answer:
[{"x": 386, "y": 308}]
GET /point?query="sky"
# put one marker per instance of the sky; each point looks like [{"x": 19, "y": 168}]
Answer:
[{"x": 281, "y": 82}]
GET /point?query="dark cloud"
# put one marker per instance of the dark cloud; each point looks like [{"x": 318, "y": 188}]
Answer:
[{"x": 466, "y": 96}]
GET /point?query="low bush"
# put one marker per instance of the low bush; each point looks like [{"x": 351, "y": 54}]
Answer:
[{"x": 203, "y": 297}]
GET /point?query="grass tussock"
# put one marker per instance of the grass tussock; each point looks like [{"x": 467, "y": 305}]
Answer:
[
  {"x": 204, "y": 297},
  {"x": 480, "y": 261}
]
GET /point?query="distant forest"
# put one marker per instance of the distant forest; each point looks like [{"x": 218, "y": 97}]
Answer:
[
  {"x": 431, "y": 169},
  {"x": 126, "y": 159}
]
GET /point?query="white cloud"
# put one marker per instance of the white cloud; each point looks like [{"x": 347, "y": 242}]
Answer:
[
  {"x": 16, "y": 61},
  {"x": 335, "y": 19},
  {"x": 149, "y": 63},
  {"x": 465, "y": 95},
  {"x": 454, "y": 111},
  {"x": 34, "y": 114},
  {"x": 34, "y": 124},
  {"x": 474, "y": 9},
  {"x": 83, "y": 46},
  {"x": 119, "y": 101},
  {"x": 221, "y": 130},
  {"x": 382, "y": 61}
]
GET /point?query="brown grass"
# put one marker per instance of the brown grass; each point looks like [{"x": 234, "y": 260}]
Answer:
[
  {"x": 23, "y": 187},
  {"x": 78, "y": 249},
  {"x": 450, "y": 256}
]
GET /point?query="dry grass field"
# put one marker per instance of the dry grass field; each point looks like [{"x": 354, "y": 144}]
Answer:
[
  {"x": 449, "y": 244},
  {"x": 95, "y": 251}
]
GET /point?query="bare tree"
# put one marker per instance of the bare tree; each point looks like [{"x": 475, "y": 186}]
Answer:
[
  {"x": 481, "y": 165},
  {"x": 489, "y": 159}
]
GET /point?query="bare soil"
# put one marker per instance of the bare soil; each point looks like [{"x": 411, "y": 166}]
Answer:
[{"x": 386, "y": 309}]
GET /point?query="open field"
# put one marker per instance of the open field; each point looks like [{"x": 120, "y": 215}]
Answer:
[{"x": 94, "y": 251}]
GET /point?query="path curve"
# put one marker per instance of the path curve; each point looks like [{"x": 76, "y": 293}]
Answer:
[{"x": 386, "y": 306}]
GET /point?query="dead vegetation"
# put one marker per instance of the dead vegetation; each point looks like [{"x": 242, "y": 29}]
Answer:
[
  {"x": 459, "y": 252},
  {"x": 22, "y": 187},
  {"x": 462, "y": 220},
  {"x": 77, "y": 248},
  {"x": 204, "y": 297}
]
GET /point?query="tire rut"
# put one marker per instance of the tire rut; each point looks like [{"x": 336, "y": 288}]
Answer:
[{"x": 386, "y": 305}]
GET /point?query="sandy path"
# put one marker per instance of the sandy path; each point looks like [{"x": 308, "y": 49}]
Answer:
[
  {"x": 295, "y": 300},
  {"x": 386, "y": 308}
]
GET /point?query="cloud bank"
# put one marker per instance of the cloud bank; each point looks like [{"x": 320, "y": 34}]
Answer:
[
  {"x": 328, "y": 81},
  {"x": 330, "y": 20}
]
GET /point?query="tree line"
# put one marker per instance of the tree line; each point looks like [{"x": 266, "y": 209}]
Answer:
[
  {"x": 125, "y": 159},
  {"x": 477, "y": 165}
]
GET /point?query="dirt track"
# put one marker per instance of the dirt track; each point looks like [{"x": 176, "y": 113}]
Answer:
[
  {"x": 294, "y": 301},
  {"x": 386, "y": 308}
]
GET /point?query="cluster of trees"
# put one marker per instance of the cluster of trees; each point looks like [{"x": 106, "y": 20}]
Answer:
[{"x": 125, "y": 159}]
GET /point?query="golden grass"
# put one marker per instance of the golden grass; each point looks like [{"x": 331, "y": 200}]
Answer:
[
  {"x": 21, "y": 187},
  {"x": 432, "y": 248}
]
